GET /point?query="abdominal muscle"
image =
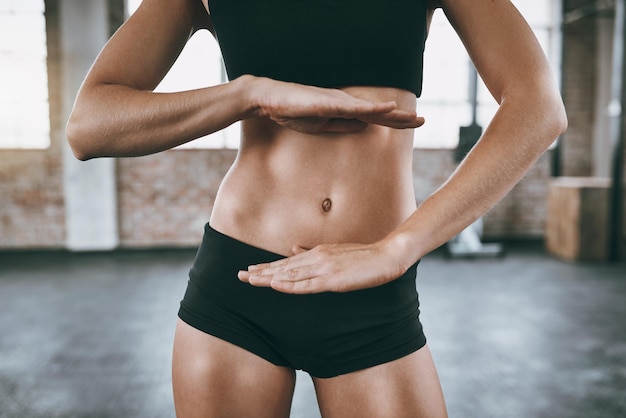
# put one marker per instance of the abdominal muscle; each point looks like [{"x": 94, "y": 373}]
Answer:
[{"x": 287, "y": 188}]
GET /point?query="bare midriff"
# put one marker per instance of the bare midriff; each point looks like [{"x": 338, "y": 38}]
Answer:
[{"x": 287, "y": 188}]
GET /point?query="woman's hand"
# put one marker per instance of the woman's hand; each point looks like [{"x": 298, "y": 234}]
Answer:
[
  {"x": 327, "y": 268},
  {"x": 314, "y": 110}
]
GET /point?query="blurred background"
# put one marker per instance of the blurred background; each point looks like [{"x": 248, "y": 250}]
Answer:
[{"x": 94, "y": 255}]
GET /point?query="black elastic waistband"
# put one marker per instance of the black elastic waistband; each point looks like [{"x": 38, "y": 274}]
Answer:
[{"x": 234, "y": 246}]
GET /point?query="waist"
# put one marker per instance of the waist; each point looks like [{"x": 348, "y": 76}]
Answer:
[{"x": 287, "y": 188}]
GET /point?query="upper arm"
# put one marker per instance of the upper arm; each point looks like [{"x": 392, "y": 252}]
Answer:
[
  {"x": 143, "y": 50},
  {"x": 502, "y": 46}
]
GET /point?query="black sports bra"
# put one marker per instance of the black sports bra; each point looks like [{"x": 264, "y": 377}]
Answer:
[{"x": 325, "y": 43}]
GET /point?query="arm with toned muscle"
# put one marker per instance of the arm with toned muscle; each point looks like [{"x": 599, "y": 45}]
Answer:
[
  {"x": 116, "y": 113},
  {"x": 530, "y": 117}
]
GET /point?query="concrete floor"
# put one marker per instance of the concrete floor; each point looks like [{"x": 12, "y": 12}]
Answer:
[{"x": 89, "y": 335}]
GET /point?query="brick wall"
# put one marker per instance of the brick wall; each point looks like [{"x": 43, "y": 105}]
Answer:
[
  {"x": 579, "y": 90},
  {"x": 163, "y": 200},
  {"x": 579, "y": 74},
  {"x": 31, "y": 181},
  {"x": 522, "y": 212}
]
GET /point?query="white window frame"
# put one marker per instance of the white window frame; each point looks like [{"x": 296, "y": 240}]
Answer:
[{"x": 24, "y": 102}]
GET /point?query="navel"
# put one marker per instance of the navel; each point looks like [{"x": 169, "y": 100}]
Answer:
[{"x": 327, "y": 205}]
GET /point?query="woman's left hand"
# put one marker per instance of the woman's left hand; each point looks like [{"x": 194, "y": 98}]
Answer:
[{"x": 327, "y": 268}]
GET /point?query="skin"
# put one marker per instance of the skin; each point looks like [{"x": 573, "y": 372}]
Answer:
[{"x": 300, "y": 146}]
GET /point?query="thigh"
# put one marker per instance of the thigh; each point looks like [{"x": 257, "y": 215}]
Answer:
[
  {"x": 214, "y": 378},
  {"x": 407, "y": 387}
]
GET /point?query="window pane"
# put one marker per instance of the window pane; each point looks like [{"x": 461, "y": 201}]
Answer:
[
  {"x": 24, "y": 108},
  {"x": 445, "y": 91},
  {"x": 536, "y": 12},
  {"x": 445, "y": 98}
]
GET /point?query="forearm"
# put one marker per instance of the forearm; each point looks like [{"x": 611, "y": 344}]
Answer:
[
  {"x": 517, "y": 136},
  {"x": 117, "y": 121}
]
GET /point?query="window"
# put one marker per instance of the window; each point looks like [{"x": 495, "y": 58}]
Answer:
[
  {"x": 24, "y": 108},
  {"x": 445, "y": 99}
]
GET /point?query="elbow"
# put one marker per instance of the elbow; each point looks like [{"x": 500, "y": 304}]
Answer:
[
  {"x": 543, "y": 109},
  {"x": 549, "y": 115},
  {"x": 80, "y": 151},
  {"x": 556, "y": 117},
  {"x": 77, "y": 134}
]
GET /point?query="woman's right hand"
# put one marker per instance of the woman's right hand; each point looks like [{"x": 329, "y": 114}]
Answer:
[{"x": 314, "y": 110}]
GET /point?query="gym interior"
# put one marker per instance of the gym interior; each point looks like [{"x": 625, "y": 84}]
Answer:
[{"x": 524, "y": 311}]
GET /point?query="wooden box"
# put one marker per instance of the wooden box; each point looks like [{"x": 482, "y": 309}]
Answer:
[{"x": 577, "y": 224}]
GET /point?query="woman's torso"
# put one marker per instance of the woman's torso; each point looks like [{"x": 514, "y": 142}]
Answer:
[{"x": 287, "y": 188}]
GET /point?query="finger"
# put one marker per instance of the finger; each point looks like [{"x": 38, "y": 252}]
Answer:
[
  {"x": 244, "y": 276},
  {"x": 267, "y": 269},
  {"x": 349, "y": 109},
  {"x": 256, "y": 275},
  {"x": 315, "y": 284},
  {"x": 259, "y": 280},
  {"x": 396, "y": 119},
  {"x": 256, "y": 267},
  {"x": 383, "y": 107},
  {"x": 298, "y": 273},
  {"x": 255, "y": 279},
  {"x": 266, "y": 279},
  {"x": 308, "y": 286}
]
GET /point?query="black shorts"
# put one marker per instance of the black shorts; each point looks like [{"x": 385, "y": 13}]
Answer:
[{"x": 325, "y": 334}]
